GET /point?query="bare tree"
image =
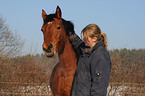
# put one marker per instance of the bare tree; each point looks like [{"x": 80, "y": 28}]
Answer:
[{"x": 10, "y": 43}]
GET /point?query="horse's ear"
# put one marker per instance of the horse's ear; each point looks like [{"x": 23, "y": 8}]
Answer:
[
  {"x": 58, "y": 12},
  {"x": 44, "y": 15}
]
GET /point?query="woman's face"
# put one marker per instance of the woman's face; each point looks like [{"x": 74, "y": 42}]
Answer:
[{"x": 91, "y": 41}]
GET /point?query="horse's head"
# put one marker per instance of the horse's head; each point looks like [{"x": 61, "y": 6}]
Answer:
[{"x": 53, "y": 31}]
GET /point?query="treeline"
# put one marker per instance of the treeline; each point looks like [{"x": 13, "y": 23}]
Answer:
[
  {"x": 127, "y": 66},
  {"x": 27, "y": 69}
]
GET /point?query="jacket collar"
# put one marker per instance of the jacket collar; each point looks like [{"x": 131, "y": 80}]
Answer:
[
  {"x": 87, "y": 50},
  {"x": 97, "y": 45}
]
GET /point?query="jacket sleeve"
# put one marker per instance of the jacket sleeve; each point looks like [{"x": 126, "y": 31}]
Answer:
[
  {"x": 100, "y": 74},
  {"x": 77, "y": 43}
]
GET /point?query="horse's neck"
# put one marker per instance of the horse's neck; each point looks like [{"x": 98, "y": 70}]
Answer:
[{"x": 68, "y": 57}]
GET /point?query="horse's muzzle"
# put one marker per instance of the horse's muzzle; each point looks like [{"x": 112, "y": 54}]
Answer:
[{"x": 48, "y": 51}]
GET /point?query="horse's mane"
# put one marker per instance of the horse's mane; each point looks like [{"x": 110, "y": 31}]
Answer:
[{"x": 68, "y": 26}]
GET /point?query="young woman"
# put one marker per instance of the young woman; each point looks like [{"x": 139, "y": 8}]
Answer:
[{"x": 94, "y": 65}]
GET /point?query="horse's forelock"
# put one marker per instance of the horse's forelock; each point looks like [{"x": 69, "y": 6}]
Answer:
[{"x": 49, "y": 18}]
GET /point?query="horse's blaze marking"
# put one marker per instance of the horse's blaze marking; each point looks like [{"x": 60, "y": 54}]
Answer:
[{"x": 49, "y": 23}]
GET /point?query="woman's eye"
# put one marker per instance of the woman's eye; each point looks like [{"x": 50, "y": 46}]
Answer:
[{"x": 58, "y": 27}]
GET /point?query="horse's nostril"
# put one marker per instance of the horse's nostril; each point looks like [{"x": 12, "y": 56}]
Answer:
[
  {"x": 48, "y": 49},
  {"x": 44, "y": 49},
  {"x": 50, "y": 46}
]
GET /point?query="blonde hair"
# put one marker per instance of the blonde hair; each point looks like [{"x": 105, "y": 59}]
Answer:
[{"x": 93, "y": 30}]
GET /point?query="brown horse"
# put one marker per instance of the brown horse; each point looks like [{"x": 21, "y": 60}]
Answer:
[{"x": 56, "y": 31}]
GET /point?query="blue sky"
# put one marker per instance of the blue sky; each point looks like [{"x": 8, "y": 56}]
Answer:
[{"x": 122, "y": 20}]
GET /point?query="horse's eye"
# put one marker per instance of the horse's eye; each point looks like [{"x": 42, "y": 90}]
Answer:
[{"x": 59, "y": 27}]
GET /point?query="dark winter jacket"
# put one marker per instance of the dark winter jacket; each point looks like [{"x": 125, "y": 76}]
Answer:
[{"x": 93, "y": 70}]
